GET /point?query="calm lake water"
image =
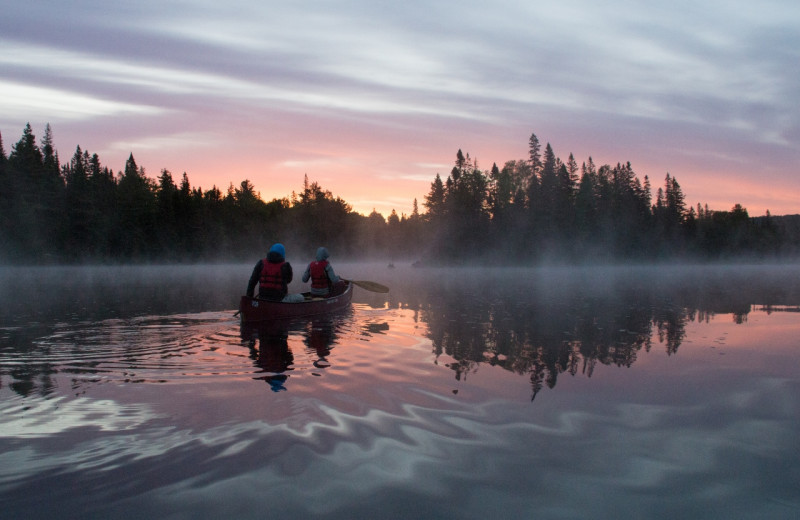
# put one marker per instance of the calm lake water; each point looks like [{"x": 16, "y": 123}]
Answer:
[{"x": 626, "y": 392}]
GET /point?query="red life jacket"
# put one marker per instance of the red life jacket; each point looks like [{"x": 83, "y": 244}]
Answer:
[
  {"x": 319, "y": 278},
  {"x": 271, "y": 276}
]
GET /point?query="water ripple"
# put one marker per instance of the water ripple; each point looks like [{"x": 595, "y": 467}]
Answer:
[{"x": 142, "y": 349}]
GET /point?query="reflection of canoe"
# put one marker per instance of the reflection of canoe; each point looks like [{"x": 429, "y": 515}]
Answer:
[{"x": 254, "y": 310}]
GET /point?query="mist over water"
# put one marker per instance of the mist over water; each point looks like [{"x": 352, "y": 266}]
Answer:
[
  {"x": 136, "y": 288},
  {"x": 591, "y": 392}
]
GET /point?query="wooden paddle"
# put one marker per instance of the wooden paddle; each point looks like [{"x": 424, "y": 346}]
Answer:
[{"x": 370, "y": 286}]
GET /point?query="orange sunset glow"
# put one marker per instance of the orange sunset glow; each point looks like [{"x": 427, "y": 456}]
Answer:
[{"x": 373, "y": 104}]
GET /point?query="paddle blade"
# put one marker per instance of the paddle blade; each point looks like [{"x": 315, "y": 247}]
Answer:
[{"x": 370, "y": 286}]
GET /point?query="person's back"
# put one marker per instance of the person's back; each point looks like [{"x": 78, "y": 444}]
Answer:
[
  {"x": 272, "y": 274},
  {"x": 321, "y": 274}
]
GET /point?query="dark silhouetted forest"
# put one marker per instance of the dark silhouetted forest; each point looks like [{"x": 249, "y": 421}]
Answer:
[{"x": 536, "y": 209}]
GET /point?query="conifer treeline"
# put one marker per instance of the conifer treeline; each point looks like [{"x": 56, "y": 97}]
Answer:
[
  {"x": 542, "y": 208},
  {"x": 534, "y": 209}
]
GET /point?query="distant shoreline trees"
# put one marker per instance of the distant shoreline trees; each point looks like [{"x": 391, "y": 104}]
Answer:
[
  {"x": 538, "y": 209},
  {"x": 542, "y": 209}
]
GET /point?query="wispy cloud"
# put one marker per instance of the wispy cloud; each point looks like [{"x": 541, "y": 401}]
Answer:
[
  {"x": 387, "y": 92},
  {"x": 172, "y": 142},
  {"x": 19, "y": 101}
]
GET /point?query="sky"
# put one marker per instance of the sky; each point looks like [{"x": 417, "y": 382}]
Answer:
[{"x": 371, "y": 99}]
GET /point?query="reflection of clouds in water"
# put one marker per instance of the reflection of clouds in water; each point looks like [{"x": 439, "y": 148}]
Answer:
[
  {"x": 47, "y": 419},
  {"x": 639, "y": 455},
  {"x": 43, "y": 418},
  {"x": 594, "y": 461}
]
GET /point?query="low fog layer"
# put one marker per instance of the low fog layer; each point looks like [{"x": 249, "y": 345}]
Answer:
[{"x": 48, "y": 294}]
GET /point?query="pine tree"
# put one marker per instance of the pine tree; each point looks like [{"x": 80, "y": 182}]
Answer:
[
  {"x": 26, "y": 158},
  {"x": 5, "y": 206},
  {"x": 501, "y": 192},
  {"x": 33, "y": 226},
  {"x": 534, "y": 154},
  {"x": 675, "y": 204},
  {"x": 77, "y": 235},
  {"x": 585, "y": 204},
  {"x": 49, "y": 156},
  {"x": 103, "y": 196},
  {"x": 572, "y": 170},
  {"x": 434, "y": 200},
  {"x": 3, "y": 157},
  {"x": 137, "y": 213},
  {"x": 545, "y": 212},
  {"x": 461, "y": 165}
]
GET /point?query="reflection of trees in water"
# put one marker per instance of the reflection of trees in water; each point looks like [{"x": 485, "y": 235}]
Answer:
[
  {"x": 540, "y": 338},
  {"x": 769, "y": 309},
  {"x": 546, "y": 329},
  {"x": 535, "y": 322},
  {"x": 27, "y": 365},
  {"x": 30, "y": 379}
]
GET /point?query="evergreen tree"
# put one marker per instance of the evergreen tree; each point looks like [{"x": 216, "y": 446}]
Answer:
[
  {"x": 434, "y": 200},
  {"x": 137, "y": 215},
  {"x": 572, "y": 171},
  {"x": 549, "y": 182},
  {"x": 544, "y": 214},
  {"x": 459, "y": 167},
  {"x": 415, "y": 233},
  {"x": 32, "y": 200},
  {"x": 103, "y": 196},
  {"x": 669, "y": 214},
  {"x": 465, "y": 202},
  {"x": 675, "y": 202},
  {"x": 501, "y": 192},
  {"x": 393, "y": 220},
  {"x": 534, "y": 154},
  {"x": 79, "y": 222},
  {"x": 630, "y": 210},
  {"x": 26, "y": 157},
  {"x": 6, "y": 206},
  {"x": 49, "y": 155},
  {"x": 585, "y": 204},
  {"x": 166, "y": 200}
]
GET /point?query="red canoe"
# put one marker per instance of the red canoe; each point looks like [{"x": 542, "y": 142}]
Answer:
[{"x": 254, "y": 310}]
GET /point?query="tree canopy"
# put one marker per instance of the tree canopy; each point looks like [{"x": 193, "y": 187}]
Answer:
[{"x": 531, "y": 210}]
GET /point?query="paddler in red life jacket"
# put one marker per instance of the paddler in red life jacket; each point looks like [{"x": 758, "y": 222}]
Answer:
[
  {"x": 321, "y": 274},
  {"x": 272, "y": 274}
]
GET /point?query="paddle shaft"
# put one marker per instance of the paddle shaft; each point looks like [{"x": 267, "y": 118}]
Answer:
[{"x": 370, "y": 286}]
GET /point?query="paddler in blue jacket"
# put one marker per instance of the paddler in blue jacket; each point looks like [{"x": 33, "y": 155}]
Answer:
[
  {"x": 273, "y": 275},
  {"x": 321, "y": 274}
]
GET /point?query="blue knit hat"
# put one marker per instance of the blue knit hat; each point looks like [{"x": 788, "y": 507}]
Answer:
[{"x": 278, "y": 248}]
